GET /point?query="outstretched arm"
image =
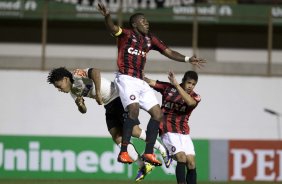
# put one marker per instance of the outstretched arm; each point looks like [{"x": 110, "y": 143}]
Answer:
[
  {"x": 151, "y": 82},
  {"x": 188, "y": 99},
  {"x": 114, "y": 29},
  {"x": 95, "y": 75},
  {"x": 174, "y": 55}
]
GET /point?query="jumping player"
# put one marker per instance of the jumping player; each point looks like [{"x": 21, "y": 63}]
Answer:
[
  {"x": 178, "y": 102},
  {"x": 133, "y": 46},
  {"x": 89, "y": 83}
]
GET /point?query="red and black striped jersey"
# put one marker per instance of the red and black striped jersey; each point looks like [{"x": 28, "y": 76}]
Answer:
[
  {"x": 176, "y": 112},
  {"x": 132, "y": 50}
]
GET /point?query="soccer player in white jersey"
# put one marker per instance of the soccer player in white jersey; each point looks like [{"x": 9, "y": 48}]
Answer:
[{"x": 89, "y": 83}]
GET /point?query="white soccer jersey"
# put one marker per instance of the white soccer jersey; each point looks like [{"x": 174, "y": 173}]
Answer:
[{"x": 84, "y": 86}]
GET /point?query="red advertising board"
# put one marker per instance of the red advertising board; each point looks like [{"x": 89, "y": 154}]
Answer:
[{"x": 255, "y": 160}]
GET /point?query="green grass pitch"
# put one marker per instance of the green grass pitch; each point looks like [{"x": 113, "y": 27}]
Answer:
[{"x": 109, "y": 182}]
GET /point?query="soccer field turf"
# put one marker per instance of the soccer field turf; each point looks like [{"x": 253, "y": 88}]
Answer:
[{"x": 110, "y": 182}]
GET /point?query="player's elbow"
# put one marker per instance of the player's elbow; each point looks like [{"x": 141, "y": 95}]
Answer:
[{"x": 191, "y": 104}]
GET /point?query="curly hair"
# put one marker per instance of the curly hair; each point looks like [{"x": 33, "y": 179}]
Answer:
[
  {"x": 58, "y": 74},
  {"x": 190, "y": 75},
  {"x": 133, "y": 18}
]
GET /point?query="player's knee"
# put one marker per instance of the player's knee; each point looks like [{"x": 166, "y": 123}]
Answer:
[
  {"x": 156, "y": 113},
  {"x": 191, "y": 164},
  {"x": 159, "y": 116},
  {"x": 133, "y": 112},
  {"x": 180, "y": 157}
]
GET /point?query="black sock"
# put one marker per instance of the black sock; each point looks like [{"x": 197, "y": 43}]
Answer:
[
  {"x": 151, "y": 135},
  {"x": 126, "y": 133},
  {"x": 180, "y": 172},
  {"x": 191, "y": 177}
]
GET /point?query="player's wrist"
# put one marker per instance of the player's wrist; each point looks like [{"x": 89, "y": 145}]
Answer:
[
  {"x": 186, "y": 59},
  {"x": 107, "y": 15}
]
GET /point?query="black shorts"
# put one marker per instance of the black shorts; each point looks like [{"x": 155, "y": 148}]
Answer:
[{"x": 115, "y": 114}]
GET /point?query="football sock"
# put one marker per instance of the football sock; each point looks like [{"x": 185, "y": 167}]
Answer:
[
  {"x": 180, "y": 173},
  {"x": 151, "y": 135},
  {"x": 191, "y": 176},
  {"x": 142, "y": 135},
  {"x": 132, "y": 152},
  {"x": 126, "y": 133},
  {"x": 157, "y": 144},
  {"x": 160, "y": 147}
]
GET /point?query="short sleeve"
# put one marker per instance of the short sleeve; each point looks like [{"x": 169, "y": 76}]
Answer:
[
  {"x": 161, "y": 86},
  {"x": 196, "y": 97},
  {"x": 157, "y": 44},
  {"x": 81, "y": 72}
]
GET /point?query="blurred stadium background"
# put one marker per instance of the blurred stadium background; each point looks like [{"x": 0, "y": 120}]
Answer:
[{"x": 236, "y": 128}]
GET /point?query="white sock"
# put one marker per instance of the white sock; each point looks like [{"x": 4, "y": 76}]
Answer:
[
  {"x": 157, "y": 145},
  {"x": 143, "y": 135},
  {"x": 160, "y": 147},
  {"x": 132, "y": 152}
]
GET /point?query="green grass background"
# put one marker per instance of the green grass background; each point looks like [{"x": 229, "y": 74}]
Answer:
[{"x": 110, "y": 182}]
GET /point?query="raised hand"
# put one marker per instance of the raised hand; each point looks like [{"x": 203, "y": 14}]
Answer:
[
  {"x": 102, "y": 9},
  {"x": 198, "y": 62},
  {"x": 171, "y": 78}
]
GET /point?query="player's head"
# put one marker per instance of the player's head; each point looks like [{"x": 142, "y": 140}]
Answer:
[
  {"x": 139, "y": 23},
  {"x": 189, "y": 81},
  {"x": 61, "y": 78}
]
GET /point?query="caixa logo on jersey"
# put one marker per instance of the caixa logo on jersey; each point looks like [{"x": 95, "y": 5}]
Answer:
[
  {"x": 136, "y": 52},
  {"x": 255, "y": 160}
]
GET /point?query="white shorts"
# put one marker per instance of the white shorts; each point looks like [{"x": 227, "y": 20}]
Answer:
[
  {"x": 176, "y": 143},
  {"x": 134, "y": 90}
]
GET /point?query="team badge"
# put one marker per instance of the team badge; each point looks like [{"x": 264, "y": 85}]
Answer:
[
  {"x": 132, "y": 97},
  {"x": 134, "y": 38},
  {"x": 148, "y": 39},
  {"x": 173, "y": 149}
]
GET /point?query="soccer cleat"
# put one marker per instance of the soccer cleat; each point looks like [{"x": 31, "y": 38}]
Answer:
[
  {"x": 143, "y": 171},
  {"x": 166, "y": 158},
  {"x": 123, "y": 157},
  {"x": 151, "y": 158}
]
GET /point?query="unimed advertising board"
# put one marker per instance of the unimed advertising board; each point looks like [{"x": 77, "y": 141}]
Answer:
[
  {"x": 35, "y": 157},
  {"x": 255, "y": 160}
]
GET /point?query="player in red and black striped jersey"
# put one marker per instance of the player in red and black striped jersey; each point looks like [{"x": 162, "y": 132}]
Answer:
[
  {"x": 133, "y": 46},
  {"x": 176, "y": 110},
  {"x": 132, "y": 50},
  {"x": 178, "y": 102}
]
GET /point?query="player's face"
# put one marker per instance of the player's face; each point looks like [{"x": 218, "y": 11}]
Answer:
[
  {"x": 63, "y": 85},
  {"x": 142, "y": 25},
  {"x": 189, "y": 85}
]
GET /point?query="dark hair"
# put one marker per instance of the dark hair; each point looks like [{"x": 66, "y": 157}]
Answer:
[
  {"x": 58, "y": 74},
  {"x": 190, "y": 75},
  {"x": 133, "y": 18}
]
